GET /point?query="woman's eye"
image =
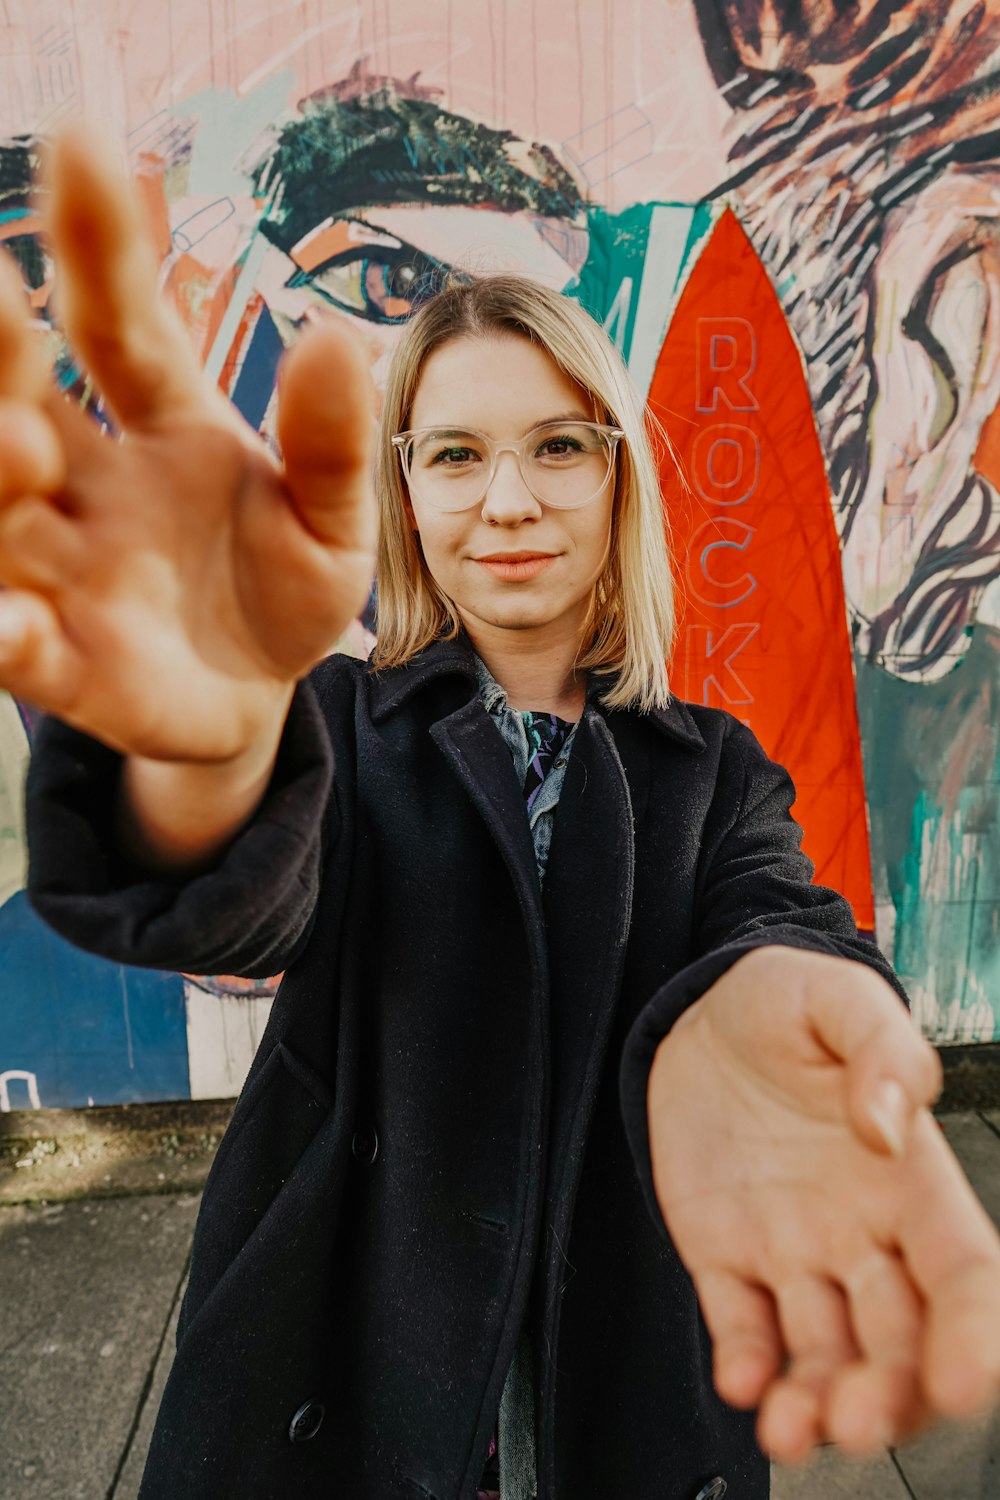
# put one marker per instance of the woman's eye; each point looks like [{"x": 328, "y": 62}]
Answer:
[
  {"x": 455, "y": 456},
  {"x": 559, "y": 447}
]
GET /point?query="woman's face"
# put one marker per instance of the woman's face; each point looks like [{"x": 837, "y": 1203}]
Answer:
[{"x": 504, "y": 386}]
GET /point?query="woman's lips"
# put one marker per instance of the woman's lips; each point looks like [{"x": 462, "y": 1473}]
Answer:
[{"x": 516, "y": 567}]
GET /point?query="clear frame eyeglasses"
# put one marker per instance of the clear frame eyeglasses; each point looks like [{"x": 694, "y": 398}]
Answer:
[{"x": 563, "y": 464}]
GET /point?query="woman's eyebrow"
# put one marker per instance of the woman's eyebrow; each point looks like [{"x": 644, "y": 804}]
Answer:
[
  {"x": 562, "y": 416},
  {"x": 440, "y": 430}
]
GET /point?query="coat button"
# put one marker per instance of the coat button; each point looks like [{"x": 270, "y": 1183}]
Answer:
[
  {"x": 364, "y": 1145},
  {"x": 714, "y": 1490},
  {"x": 307, "y": 1421}
]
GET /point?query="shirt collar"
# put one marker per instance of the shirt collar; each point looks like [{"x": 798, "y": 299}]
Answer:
[{"x": 493, "y": 695}]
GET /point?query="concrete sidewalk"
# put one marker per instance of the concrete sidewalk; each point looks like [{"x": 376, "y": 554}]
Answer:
[{"x": 91, "y": 1291}]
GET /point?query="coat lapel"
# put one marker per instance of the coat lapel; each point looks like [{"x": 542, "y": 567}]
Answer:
[
  {"x": 588, "y": 905},
  {"x": 588, "y": 908},
  {"x": 482, "y": 764},
  {"x": 479, "y": 760}
]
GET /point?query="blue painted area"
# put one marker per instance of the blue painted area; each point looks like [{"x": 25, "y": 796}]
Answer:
[
  {"x": 89, "y": 1030},
  {"x": 259, "y": 373}
]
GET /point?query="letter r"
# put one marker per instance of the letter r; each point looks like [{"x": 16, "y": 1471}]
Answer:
[{"x": 726, "y": 357}]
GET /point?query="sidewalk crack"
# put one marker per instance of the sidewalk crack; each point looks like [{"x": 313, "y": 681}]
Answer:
[
  {"x": 899, "y": 1470},
  {"x": 147, "y": 1384}
]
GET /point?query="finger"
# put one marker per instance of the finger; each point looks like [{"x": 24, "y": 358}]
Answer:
[
  {"x": 816, "y": 1328},
  {"x": 32, "y": 460},
  {"x": 886, "y": 1310},
  {"x": 37, "y": 663},
  {"x": 107, "y": 296},
  {"x": 788, "y": 1423},
  {"x": 891, "y": 1071},
  {"x": 326, "y": 428},
  {"x": 747, "y": 1349},
  {"x": 953, "y": 1256},
  {"x": 876, "y": 1401},
  {"x": 24, "y": 371},
  {"x": 961, "y": 1367},
  {"x": 874, "y": 1406},
  {"x": 39, "y": 548}
]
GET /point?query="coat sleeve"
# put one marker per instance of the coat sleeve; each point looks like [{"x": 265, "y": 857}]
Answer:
[
  {"x": 249, "y": 914},
  {"x": 755, "y": 889}
]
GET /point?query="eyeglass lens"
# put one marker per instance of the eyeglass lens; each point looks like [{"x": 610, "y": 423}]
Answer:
[{"x": 562, "y": 464}]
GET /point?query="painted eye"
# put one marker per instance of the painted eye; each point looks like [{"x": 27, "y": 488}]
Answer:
[{"x": 379, "y": 284}]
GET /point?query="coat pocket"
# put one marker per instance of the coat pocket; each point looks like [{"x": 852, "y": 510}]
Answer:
[{"x": 278, "y": 1117}]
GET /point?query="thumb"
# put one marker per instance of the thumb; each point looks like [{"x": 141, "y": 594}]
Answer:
[
  {"x": 892, "y": 1073},
  {"x": 326, "y": 428},
  {"x": 37, "y": 661}
]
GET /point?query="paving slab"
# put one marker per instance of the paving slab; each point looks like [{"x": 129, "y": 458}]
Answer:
[
  {"x": 92, "y": 1291},
  {"x": 830, "y": 1476},
  {"x": 977, "y": 1146},
  {"x": 89, "y": 1288},
  {"x": 130, "y": 1475},
  {"x": 955, "y": 1462}
]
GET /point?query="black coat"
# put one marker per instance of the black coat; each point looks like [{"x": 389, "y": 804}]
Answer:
[{"x": 444, "y": 1127}]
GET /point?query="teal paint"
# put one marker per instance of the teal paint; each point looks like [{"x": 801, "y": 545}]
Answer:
[
  {"x": 932, "y": 771},
  {"x": 636, "y": 263},
  {"x": 615, "y": 255}
]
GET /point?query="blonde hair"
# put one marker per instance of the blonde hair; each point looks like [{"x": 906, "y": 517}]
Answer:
[{"x": 630, "y": 628}]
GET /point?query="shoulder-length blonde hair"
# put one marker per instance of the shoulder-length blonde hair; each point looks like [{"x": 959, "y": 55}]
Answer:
[{"x": 630, "y": 628}]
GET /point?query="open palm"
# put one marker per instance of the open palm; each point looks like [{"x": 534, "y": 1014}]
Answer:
[
  {"x": 164, "y": 592},
  {"x": 852, "y": 1291}
]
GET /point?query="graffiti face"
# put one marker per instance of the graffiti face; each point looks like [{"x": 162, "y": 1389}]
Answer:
[
  {"x": 458, "y": 198},
  {"x": 923, "y": 539},
  {"x": 380, "y": 265},
  {"x": 866, "y": 168}
]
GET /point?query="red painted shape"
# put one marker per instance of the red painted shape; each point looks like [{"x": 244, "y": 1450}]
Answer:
[
  {"x": 763, "y": 624},
  {"x": 987, "y": 456}
]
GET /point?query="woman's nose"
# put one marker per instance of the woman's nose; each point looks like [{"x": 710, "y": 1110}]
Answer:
[{"x": 508, "y": 499}]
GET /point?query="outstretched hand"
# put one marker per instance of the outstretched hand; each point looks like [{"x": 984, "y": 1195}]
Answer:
[
  {"x": 164, "y": 592},
  {"x": 848, "y": 1275}
]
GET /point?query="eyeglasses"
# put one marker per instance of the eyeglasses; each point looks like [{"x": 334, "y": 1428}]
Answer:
[{"x": 563, "y": 464}]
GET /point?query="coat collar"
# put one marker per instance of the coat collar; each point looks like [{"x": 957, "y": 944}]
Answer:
[{"x": 391, "y": 688}]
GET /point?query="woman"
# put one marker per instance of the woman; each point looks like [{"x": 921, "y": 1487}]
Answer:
[{"x": 528, "y": 1074}]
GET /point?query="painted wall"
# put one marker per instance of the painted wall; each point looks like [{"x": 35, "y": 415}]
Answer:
[{"x": 789, "y": 220}]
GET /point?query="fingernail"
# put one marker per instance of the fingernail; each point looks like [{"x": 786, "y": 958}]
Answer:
[{"x": 889, "y": 1113}]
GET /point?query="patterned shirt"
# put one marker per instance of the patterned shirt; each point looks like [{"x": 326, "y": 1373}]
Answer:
[{"x": 540, "y": 744}]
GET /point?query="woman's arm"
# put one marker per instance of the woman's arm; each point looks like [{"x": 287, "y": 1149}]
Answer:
[
  {"x": 776, "y": 1097},
  {"x": 248, "y": 909},
  {"x": 179, "y": 817}
]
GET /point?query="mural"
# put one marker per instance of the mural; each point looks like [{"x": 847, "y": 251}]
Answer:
[{"x": 789, "y": 221}]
